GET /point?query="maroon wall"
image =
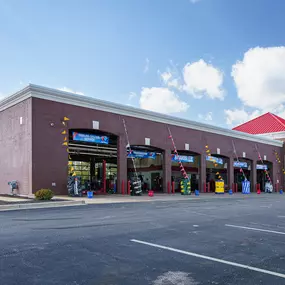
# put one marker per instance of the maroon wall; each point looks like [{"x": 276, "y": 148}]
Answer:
[
  {"x": 50, "y": 158},
  {"x": 16, "y": 147}
]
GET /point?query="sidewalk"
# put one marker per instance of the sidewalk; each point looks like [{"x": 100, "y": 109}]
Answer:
[
  {"x": 18, "y": 203},
  {"x": 15, "y": 203},
  {"x": 117, "y": 198},
  {"x": 12, "y": 199}
]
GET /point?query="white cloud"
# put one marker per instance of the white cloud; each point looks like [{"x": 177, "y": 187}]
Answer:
[
  {"x": 146, "y": 66},
  {"x": 132, "y": 95},
  {"x": 66, "y": 89},
  {"x": 171, "y": 79},
  {"x": 206, "y": 117},
  {"x": 203, "y": 79},
  {"x": 260, "y": 78},
  {"x": 166, "y": 76},
  {"x": 280, "y": 111},
  {"x": 175, "y": 84},
  {"x": 163, "y": 100},
  {"x": 236, "y": 117}
]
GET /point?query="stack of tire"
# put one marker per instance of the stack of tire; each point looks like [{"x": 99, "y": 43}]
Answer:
[
  {"x": 185, "y": 186},
  {"x": 136, "y": 187},
  {"x": 74, "y": 186}
]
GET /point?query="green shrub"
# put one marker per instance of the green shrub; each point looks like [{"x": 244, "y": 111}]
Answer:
[{"x": 44, "y": 194}]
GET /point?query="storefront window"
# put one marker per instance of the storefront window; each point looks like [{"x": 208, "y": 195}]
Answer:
[{"x": 80, "y": 168}]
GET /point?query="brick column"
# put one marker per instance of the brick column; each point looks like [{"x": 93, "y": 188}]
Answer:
[
  {"x": 121, "y": 164},
  {"x": 281, "y": 166},
  {"x": 230, "y": 170},
  {"x": 166, "y": 169},
  {"x": 202, "y": 172},
  {"x": 253, "y": 176}
]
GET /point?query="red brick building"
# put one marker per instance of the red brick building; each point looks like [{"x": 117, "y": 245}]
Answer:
[{"x": 32, "y": 152}]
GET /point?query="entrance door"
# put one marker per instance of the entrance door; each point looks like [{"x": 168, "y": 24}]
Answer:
[
  {"x": 156, "y": 182},
  {"x": 261, "y": 179},
  {"x": 239, "y": 177}
]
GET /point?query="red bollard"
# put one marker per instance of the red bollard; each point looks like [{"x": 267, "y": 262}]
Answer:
[
  {"x": 173, "y": 190},
  {"x": 129, "y": 187},
  {"x": 204, "y": 188},
  {"x": 168, "y": 187},
  {"x": 258, "y": 188},
  {"x": 123, "y": 188}
]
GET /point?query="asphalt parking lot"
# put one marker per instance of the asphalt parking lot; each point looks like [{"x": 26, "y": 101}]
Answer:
[{"x": 218, "y": 241}]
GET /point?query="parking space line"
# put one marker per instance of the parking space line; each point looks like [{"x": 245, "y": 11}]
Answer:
[
  {"x": 260, "y": 270},
  {"x": 255, "y": 229}
]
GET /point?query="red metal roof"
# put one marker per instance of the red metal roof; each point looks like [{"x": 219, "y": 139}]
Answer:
[{"x": 267, "y": 123}]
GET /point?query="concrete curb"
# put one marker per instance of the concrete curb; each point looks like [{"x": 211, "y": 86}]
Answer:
[
  {"x": 13, "y": 207},
  {"x": 184, "y": 199}
]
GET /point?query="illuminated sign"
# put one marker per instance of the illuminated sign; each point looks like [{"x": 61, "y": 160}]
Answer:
[
  {"x": 215, "y": 159},
  {"x": 240, "y": 164},
  {"x": 141, "y": 154},
  {"x": 182, "y": 158},
  {"x": 261, "y": 167},
  {"x": 90, "y": 138}
]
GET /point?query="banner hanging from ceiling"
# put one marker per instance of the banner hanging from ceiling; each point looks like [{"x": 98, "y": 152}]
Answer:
[
  {"x": 215, "y": 159},
  {"x": 141, "y": 154},
  {"x": 240, "y": 164},
  {"x": 90, "y": 138},
  {"x": 261, "y": 167},
  {"x": 182, "y": 158}
]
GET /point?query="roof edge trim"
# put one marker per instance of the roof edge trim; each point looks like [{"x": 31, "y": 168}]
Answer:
[{"x": 91, "y": 103}]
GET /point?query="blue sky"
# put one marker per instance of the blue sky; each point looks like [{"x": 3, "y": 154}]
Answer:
[{"x": 172, "y": 56}]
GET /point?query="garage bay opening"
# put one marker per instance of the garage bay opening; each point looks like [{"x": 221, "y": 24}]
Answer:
[
  {"x": 216, "y": 171},
  {"x": 242, "y": 171},
  {"x": 191, "y": 164},
  {"x": 92, "y": 162},
  {"x": 148, "y": 163},
  {"x": 264, "y": 174}
]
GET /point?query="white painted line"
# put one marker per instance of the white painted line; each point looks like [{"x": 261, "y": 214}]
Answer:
[
  {"x": 280, "y": 216},
  {"x": 260, "y": 270},
  {"x": 268, "y": 206},
  {"x": 255, "y": 229}
]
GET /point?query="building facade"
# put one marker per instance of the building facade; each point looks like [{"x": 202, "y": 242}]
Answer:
[{"x": 33, "y": 150}]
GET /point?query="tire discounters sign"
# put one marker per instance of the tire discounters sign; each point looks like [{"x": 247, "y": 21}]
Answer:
[{"x": 90, "y": 138}]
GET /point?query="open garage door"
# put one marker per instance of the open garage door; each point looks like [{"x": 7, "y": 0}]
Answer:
[
  {"x": 148, "y": 162},
  {"x": 191, "y": 164},
  {"x": 242, "y": 171},
  {"x": 93, "y": 159},
  {"x": 262, "y": 169},
  {"x": 217, "y": 169}
]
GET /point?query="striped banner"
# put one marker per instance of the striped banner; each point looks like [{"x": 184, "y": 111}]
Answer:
[{"x": 245, "y": 187}]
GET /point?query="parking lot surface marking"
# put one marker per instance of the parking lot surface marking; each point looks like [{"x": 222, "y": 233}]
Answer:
[
  {"x": 255, "y": 229},
  {"x": 210, "y": 258}
]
